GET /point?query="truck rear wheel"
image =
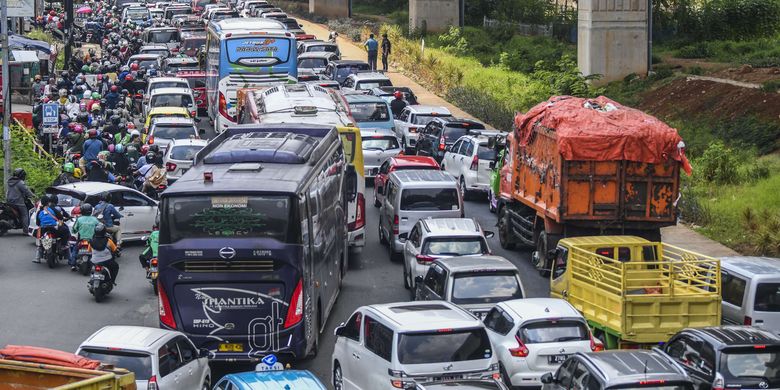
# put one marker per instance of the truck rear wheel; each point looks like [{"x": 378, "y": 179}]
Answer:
[{"x": 504, "y": 231}]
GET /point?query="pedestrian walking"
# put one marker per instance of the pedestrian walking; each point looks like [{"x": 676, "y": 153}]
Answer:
[
  {"x": 372, "y": 46},
  {"x": 386, "y": 50}
]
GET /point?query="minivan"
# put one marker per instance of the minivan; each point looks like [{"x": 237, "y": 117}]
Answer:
[
  {"x": 751, "y": 292},
  {"x": 411, "y": 195}
]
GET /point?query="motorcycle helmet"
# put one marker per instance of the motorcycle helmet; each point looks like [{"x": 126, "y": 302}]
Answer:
[
  {"x": 78, "y": 129},
  {"x": 85, "y": 68},
  {"x": 114, "y": 88},
  {"x": 63, "y": 92},
  {"x": 111, "y": 148},
  {"x": 77, "y": 173},
  {"x": 144, "y": 149},
  {"x": 135, "y": 133},
  {"x": 154, "y": 148},
  {"x": 20, "y": 173},
  {"x": 95, "y": 96},
  {"x": 96, "y": 107},
  {"x": 115, "y": 120},
  {"x": 92, "y": 133},
  {"x": 65, "y": 74},
  {"x": 131, "y": 125},
  {"x": 119, "y": 148},
  {"x": 150, "y": 157},
  {"x": 100, "y": 229},
  {"x": 129, "y": 77},
  {"x": 68, "y": 167},
  {"x": 134, "y": 66}
]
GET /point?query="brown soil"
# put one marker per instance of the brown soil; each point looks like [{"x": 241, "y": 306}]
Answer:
[
  {"x": 684, "y": 98},
  {"x": 756, "y": 75}
]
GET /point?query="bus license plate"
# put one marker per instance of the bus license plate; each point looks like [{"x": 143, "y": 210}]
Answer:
[
  {"x": 231, "y": 347},
  {"x": 557, "y": 359}
]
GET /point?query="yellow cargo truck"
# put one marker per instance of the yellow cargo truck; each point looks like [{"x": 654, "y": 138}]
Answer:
[
  {"x": 32, "y": 376},
  {"x": 636, "y": 293}
]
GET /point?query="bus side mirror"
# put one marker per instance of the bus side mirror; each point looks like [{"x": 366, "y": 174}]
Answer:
[
  {"x": 203, "y": 353},
  {"x": 351, "y": 182},
  {"x": 418, "y": 280}
]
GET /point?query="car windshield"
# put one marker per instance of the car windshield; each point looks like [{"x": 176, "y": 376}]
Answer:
[
  {"x": 196, "y": 83},
  {"x": 444, "y": 346},
  {"x": 485, "y": 153},
  {"x": 164, "y": 36},
  {"x": 485, "y": 287},
  {"x": 193, "y": 43},
  {"x": 380, "y": 142},
  {"x": 344, "y": 71},
  {"x": 553, "y": 331},
  {"x": 162, "y": 52},
  {"x": 184, "y": 152},
  {"x": 370, "y": 112},
  {"x": 452, "y": 133},
  {"x": 175, "y": 66},
  {"x": 418, "y": 199},
  {"x": 174, "y": 131},
  {"x": 291, "y": 24},
  {"x": 321, "y": 48},
  {"x": 309, "y": 63},
  {"x": 454, "y": 246},
  {"x": 424, "y": 119},
  {"x": 370, "y": 84},
  {"x": 767, "y": 297},
  {"x": 135, "y": 14},
  {"x": 171, "y": 100},
  {"x": 138, "y": 363},
  {"x": 220, "y": 15},
  {"x": 145, "y": 64},
  {"x": 67, "y": 200},
  {"x": 750, "y": 363}
]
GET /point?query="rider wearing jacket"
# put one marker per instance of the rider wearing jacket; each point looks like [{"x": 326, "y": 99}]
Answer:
[{"x": 103, "y": 250}]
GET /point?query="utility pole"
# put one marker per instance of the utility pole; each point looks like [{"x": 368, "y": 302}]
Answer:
[
  {"x": 6, "y": 96},
  {"x": 68, "y": 32}
]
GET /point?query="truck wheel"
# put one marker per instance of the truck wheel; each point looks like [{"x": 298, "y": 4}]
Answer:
[
  {"x": 539, "y": 258},
  {"x": 504, "y": 233}
]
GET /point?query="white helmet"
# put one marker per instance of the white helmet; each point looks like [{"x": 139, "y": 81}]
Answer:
[{"x": 135, "y": 133}]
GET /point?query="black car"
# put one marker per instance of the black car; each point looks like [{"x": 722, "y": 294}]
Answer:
[
  {"x": 728, "y": 357},
  {"x": 436, "y": 138},
  {"x": 341, "y": 69},
  {"x": 627, "y": 369}
]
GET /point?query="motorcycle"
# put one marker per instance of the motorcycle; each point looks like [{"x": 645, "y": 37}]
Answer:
[
  {"x": 100, "y": 282},
  {"x": 152, "y": 274},
  {"x": 84, "y": 257},
  {"x": 9, "y": 218},
  {"x": 53, "y": 250}
]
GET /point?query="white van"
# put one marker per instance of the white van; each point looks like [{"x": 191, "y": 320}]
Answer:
[
  {"x": 751, "y": 291},
  {"x": 397, "y": 345},
  {"x": 412, "y": 195}
]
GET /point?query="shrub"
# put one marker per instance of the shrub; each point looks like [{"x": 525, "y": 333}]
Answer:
[
  {"x": 482, "y": 106},
  {"x": 771, "y": 86},
  {"x": 698, "y": 50},
  {"x": 718, "y": 164},
  {"x": 41, "y": 171}
]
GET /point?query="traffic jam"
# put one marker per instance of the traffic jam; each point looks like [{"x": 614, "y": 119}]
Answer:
[{"x": 245, "y": 157}]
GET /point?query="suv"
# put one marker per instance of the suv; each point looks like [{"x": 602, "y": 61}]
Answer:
[
  {"x": 166, "y": 129},
  {"x": 365, "y": 81},
  {"x": 396, "y": 345},
  {"x": 441, "y": 133},
  {"x": 399, "y": 163},
  {"x": 728, "y": 357},
  {"x": 432, "y": 239},
  {"x": 318, "y": 46},
  {"x": 534, "y": 336},
  {"x": 317, "y": 61},
  {"x": 475, "y": 283},
  {"x": 751, "y": 291},
  {"x": 413, "y": 119},
  {"x": 469, "y": 161},
  {"x": 637, "y": 369},
  {"x": 159, "y": 358},
  {"x": 341, "y": 69}
]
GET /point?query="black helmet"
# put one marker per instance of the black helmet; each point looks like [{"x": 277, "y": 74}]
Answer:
[
  {"x": 20, "y": 173},
  {"x": 103, "y": 197},
  {"x": 150, "y": 157},
  {"x": 154, "y": 148},
  {"x": 115, "y": 119},
  {"x": 86, "y": 209},
  {"x": 100, "y": 229},
  {"x": 46, "y": 199}
]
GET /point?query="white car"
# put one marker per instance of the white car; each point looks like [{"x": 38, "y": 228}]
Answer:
[
  {"x": 533, "y": 336},
  {"x": 413, "y": 119},
  {"x": 364, "y": 81},
  {"x": 165, "y": 129},
  {"x": 179, "y": 155},
  {"x": 436, "y": 238},
  {"x": 163, "y": 82},
  {"x": 397, "y": 345},
  {"x": 317, "y": 61},
  {"x": 139, "y": 210},
  {"x": 159, "y": 358},
  {"x": 468, "y": 161},
  {"x": 378, "y": 146},
  {"x": 172, "y": 97}
]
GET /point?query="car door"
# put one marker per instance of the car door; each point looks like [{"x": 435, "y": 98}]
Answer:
[
  {"x": 138, "y": 210},
  {"x": 168, "y": 363},
  {"x": 690, "y": 354},
  {"x": 347, "y": 350},
  {"x": 376, "y": 355},
  {"x": 191, "y": 367},
  {"x": 400, "y": 123},
  {"x": 412, "y": 249},
  {"x": 450, "y": 157},
  {"x": 388, "y": 209},
  {"x": 379, "y": 180},
  {"x": 433, "y": 285},
  {"x": 498, "y": 324},
  {"x": 462, "y": 160},
  {"x": 424, "y": 141},
  {"x": 564, "y": 375}
]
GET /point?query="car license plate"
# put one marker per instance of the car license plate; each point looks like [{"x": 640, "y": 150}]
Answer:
[
  {"x": 98, "y": 277},
  {"x": 557, "y": 359},
  {"x": 231, "y": 347},
  {"x": 83, "y": 252},
  {"x": 446, "y": 378}
]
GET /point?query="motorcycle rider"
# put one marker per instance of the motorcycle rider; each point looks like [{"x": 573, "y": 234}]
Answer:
[
  {"x": 84, "y": 229},
  {"x": 120, "y": 160},
  {"x": 123, "y": 136},
  {"x": 49, "y": 218},
  {"x": 150, "y": 252},
  {"x": 66, "y": 177},
  {"x": 107, "y": 214},
  {"x": 18, "y": 195},
  {"x": 92, "y": 147},
  {"x": 103, "y": 251}
]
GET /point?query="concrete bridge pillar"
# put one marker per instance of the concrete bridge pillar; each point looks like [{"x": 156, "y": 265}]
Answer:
[
  {"x": 331, "y": 8},
  {"x": 612, "y": 38},
  {"x": 434, "y": 15}
]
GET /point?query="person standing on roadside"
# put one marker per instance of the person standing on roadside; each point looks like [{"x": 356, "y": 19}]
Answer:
[
  {"x": 386, "y": 49},
  {"x": 372, "y": 47}
]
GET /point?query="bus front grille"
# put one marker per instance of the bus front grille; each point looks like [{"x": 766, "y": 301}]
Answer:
[{"x": 224, "y": 266}]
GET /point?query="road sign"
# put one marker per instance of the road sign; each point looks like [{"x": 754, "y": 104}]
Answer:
[
  {"x": 21, "y": 8},
  {"x": 51, "y": 114}
]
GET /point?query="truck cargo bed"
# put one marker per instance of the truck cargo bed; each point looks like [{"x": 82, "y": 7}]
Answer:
[{"x": 22, "y": 375}]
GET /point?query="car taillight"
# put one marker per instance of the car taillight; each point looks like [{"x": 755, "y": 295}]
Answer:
[
  {"x": 223, "y": 107},
  {"x": 170, "y": 167},
  {"x": 474, "y": 163},
  {"x": 719, "y": 383},
  {"x": 360, "y": 213},
  {"x": 164, "y": 306},
  {"x": 193, "y": 113},
  {"x": 442, "y": 144},
  {"x": 152, "y": 384},
  {"x": 395, "y": 224},
  {"x": 596, "y": 346},
  {"x": 748, "y": 321},
  {"x": 83, "y": 244},
  {"x": 521, "y": 350},
  {"x": 424, "y": 260},
  {"x": 295, "y": 310}
]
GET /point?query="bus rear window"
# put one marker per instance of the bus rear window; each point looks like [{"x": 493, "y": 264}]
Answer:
[
  {"x": 241, "y": 51},
  {"x": 238, "y": 216}
]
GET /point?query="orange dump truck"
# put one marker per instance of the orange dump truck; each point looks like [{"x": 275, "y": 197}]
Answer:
[{"x": 584, "y": 167}]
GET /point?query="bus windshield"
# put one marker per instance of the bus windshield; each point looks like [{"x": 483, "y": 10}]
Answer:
[
  {"x": 258, "y": 51},
  {"x": 228, "y": 216}
]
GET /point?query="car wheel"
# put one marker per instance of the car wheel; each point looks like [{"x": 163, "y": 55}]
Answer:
[
  {"x": 338, "y": 380},
  {"x": 463, "y": 188},
  {"x": 407, "y": 285},
  {"x": 207, "y": 384},
  {"x": 382, "y": 239}
]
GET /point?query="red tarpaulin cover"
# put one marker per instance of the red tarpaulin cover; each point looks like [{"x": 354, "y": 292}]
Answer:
[
  {"x": 47, "y": 356},
  {"x": 601, "y": 129}
]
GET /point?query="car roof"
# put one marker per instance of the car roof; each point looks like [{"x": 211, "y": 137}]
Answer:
[
  {"x": 181, "y": 60},
  {"x": 155, "y": 46},
  {"x": 537, "y": 308},
  {"x": 481, "y": 136},
  {"x": 369, "y": 76},
  {"x": 91, "y": 187},
  {"x": 173, "y": 121},
  {"x": 425, "y": 177},
  {"x": 413, "y": 161},
  {"x": 168, "y": 110},
  {"x": 172, "y": 91},
  {"x": 188, "y": 142},
  {"x": 144, "y": 56},
  {"x": 317, "y": 54},
  {"x": 627, "y": 366},
  {"x": 318, "y": 42},
  {"x": 476, "y": 263},
  {"x": 447, "y": 120},
  {"x": 128, "y": 337},
  {"x": 156, "y": 29},
  {"x": 424, "y": 315},
  {"x": 155, "y": 80},
  {"x": 451, "y": 226},
  {"x": 275, "y": 380},
  {"x": 421, "y": 109},
  {"x": 735, "y": 335},
  {"x": 349, "y": 62},
  {"x": 360, "y": 98},
  {"x": 750, "y": 265},
  {"x": 185, "y": 74}
]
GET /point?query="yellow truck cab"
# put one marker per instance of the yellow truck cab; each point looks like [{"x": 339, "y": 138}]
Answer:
[{"x": 633, "y": 292}]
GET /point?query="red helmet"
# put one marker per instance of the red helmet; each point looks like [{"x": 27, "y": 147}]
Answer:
[
  {"x": 114, "y": 88},
  {"x": 398, "y": 95},
  {"x": 52, "y": 13},
  {"x": 100, "y": 77},
  {"x": 78, "y": 129},
  {"x": 144, "y": 149},
  {"x": 92, "y": 133},
  {"x": 134, "y": 66},
  {"x": 130, "y": 125},
  {"x": 129, "y": 77},
  {"x": 46, "y": 99}
]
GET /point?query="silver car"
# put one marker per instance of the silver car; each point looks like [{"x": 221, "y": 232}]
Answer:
[
  {"x": 179, "y": 155},
  {"x": 378, "y": 146},
  {"x": 166, "y": 129}
]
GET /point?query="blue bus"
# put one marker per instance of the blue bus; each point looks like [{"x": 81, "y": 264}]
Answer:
[
  {"x": 253, "y": 241},
  {"x": 244, "y": 53}
]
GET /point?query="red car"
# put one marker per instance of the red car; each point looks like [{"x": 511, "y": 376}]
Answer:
[
  {"x": 400, "y": 163},
  {"x": 197, "y": 81}
]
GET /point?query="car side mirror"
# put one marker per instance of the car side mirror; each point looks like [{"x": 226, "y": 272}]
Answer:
[
  {"x": 489, "y": 234},
  {"x": 197, "y": 120},
  {"x": 204, "y": 353},
  {"x": 339, "y": 330},
  {"x": 547, "y": 378},
  {"x": 403, "y": 237},
  {"x": 121, "y": 208},
  {"x": 144, "y": 238},
  {"x": 448, "y": 148}
]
